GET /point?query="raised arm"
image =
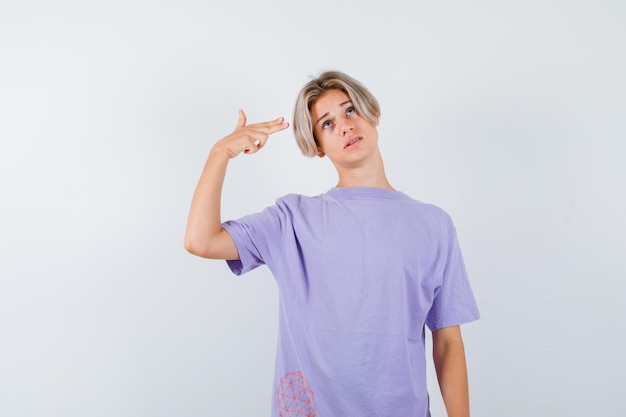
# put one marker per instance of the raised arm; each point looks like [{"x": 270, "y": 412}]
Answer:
[{"x": 205, "y": 236}]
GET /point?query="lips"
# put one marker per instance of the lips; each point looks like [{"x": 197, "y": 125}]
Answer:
[{"x": 352, "y": 141}]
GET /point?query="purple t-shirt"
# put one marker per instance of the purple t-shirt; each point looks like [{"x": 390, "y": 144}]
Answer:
[{"x": 360, "y": 271}]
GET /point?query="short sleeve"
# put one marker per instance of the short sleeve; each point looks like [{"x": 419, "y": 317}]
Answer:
[
  {"x": 454, "y": 301},
  {"x": 259, "y": 238}
]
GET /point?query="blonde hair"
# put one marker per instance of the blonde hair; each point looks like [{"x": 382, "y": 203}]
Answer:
[{"x": 364, "y": 102}]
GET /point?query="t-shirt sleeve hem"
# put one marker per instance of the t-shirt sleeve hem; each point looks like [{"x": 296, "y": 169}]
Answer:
[
  {"x": 452, "y": 322},
  {"x": 238, "y": 266}
]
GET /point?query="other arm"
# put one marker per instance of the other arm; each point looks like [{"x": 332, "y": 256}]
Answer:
[
  {"x": 205, "y": 236},
  {"x": 449, "y": 359}
]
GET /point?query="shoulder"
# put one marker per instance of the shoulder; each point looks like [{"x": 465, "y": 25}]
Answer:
[
  {"x": 299, "y": 200},
  {"x": 431, "y": 217},
  {"x": 291, "y": 206},
  {"x": 430, "y": 210},
  {"x": 292, "y": 198}
]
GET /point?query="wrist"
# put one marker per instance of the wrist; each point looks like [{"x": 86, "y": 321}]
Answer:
[{"x": 221, "y": 152}]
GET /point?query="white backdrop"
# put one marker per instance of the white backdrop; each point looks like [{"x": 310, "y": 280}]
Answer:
[{"x": 509, "y": 115}]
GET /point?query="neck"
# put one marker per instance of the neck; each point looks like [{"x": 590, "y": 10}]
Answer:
[{"x": 366, "y": 175}]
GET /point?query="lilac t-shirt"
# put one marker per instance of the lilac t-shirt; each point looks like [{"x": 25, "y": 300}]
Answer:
[{"x": 360, "y": 271}]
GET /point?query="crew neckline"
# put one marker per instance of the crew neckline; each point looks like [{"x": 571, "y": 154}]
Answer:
[{"x": 365, "y": 192}]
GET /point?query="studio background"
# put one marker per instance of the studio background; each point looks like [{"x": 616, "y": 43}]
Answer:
[{"x": 509, "y": 115}]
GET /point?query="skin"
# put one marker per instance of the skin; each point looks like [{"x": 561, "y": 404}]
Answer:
[
  {"x": 336, "y": 124},
  {"x": 449, "y": 360}
]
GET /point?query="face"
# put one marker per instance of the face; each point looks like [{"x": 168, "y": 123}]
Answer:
[{"x": 343, "y": 135}]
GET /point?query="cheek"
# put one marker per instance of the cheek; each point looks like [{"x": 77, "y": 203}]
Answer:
[
  {"x": 320, "y": 135},
  {"x": 318, "y": 139}
]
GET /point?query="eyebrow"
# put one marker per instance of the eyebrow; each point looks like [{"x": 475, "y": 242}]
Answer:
[{"x": 326, "y": 114}]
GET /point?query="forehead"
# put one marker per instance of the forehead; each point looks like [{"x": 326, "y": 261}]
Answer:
[{"x": 328, "y": 102}]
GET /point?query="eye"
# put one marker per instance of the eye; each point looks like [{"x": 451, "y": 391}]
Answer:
[
  {"x": 350, "y": 110},
  {"x": 327, "y": 124}
]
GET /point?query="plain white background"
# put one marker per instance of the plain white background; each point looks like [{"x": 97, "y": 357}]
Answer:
[{"x": 509, "y": 115}]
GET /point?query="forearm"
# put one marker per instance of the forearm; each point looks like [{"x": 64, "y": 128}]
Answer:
[
  {"x": 204, "y": 222},
  {"x": 450, "y": 365}
]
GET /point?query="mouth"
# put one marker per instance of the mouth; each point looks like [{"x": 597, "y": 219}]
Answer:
[{"x": 354, "y": 140}]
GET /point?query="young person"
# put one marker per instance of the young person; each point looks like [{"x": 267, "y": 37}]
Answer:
[{"x": 361, "y": 269}]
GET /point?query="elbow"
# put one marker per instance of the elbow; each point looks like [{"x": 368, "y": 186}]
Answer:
[
  {"x": 192, "y": 246},
  {"x": 210, "y": 246},
  {"x": 189, "y": 246},
  {"x": 203, "y": 248}
]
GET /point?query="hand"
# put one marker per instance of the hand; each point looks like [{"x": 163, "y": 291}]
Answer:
[{"x": 249, "y": 138}]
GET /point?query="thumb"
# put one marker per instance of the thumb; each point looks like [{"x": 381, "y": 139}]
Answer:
[{"x": 242, "y": 119}]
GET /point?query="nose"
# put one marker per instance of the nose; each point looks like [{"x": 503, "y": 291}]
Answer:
[{"x": 346, "y": 126}]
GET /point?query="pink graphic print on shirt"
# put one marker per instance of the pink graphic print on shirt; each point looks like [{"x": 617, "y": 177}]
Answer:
[{"x": 295, "y": 397}]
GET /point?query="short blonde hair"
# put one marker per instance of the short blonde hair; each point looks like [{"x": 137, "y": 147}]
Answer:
[{"x": 363, "y": 100}]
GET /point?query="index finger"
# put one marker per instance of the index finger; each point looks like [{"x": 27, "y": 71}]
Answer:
[{"x": 270, "y": 127}]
